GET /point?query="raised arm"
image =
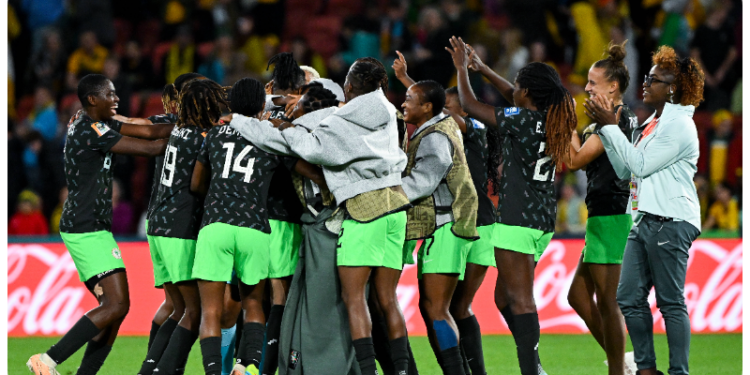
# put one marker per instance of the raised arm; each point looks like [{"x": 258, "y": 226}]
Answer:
[
  {"x": 476, "y": 109},
  {"x": 200, "y": 179},
  {"x": 155, "y": 131},
  {"x": 261, "y": 133},
  {"x": 139, "y": 147},
  {"x": 399, "y": 68},
  {"x": 502, "y": 85}
]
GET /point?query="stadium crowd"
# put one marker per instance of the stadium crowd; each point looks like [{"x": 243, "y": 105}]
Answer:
[{"x": 141, "y": 45}]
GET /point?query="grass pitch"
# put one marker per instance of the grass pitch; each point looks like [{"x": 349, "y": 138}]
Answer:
[{"x": 560, "y": 355}]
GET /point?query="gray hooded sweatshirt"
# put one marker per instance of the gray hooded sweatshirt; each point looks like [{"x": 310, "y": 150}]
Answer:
[{"x": 357, "y": 145}]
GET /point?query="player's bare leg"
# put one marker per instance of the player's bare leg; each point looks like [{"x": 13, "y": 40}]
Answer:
[{"x": 468, "y": 326}]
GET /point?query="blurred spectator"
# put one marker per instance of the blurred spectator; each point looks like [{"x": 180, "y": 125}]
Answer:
[
  {"x": 724, "y": 213},
  {"x": 714, "y": 49},
  {"x": 433, "y": 62},
  {"x": 571, "y": 212},
  {"x": 514, "y": 55},
  {"x": 122, "y": 85},
  {"x": 737, "y": 98},
  {"x": 457, "y": 16},
  {"x": 136, "y": 68},
  {"x": 719, "y": 138},
  {"x": 54, "y": 219},
  {"x": 305, "y": 56},
  {"x": 257, "y": 49},
  {"x": 122, "y": 211},
  {"x": 360, "y": 36},
  {"x": 43, "y": 117},
  {"x": 619, "y": 34},
  {"x": 701, "y": 186},
  {"x": 675, "y": 30},
  {"x": 591, "y": 40},
  {"x": 394, "y": 30},
  {"x": 13, "y": 30},
  {"x": 48, "y": 63},
  {"x": 33, "y": 160},
  {"x": 224, "y": 65},
  {"x": 96, "y": 16},
  {"x": 41, "y": 14},
  {"x": 15, "y": 166},
  {"x": 28, "y": 219},
  {"x": 182, "y": 56},
  {"x": 88, "y": 58}
]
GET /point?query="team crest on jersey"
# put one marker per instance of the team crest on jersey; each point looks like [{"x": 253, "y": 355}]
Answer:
[
  {"x": 100, "y": 128},
  {"x": 512, "y": 111},
  {"x": 477, "y": 124},
  {"x": 116, "y": 253}
]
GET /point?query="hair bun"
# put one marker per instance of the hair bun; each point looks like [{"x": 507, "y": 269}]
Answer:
[{"x": 617, "y": 52}]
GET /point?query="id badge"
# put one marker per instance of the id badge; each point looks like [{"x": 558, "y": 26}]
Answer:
[{"x": 634, "y": 193}]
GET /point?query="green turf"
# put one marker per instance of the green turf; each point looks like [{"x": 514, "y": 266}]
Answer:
[{"x": 560, "y": 354}]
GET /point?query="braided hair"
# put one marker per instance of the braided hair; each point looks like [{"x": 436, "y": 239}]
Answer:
[
  {"x": 384, "y": 79},
  {"x": 287, "y": 75},
  {"x": 548, "y": 94},
  {"x": 367, "y": 75},
  {"x": 317, "y": 97},
  {"x": 171, "y": 91},
  {"x": 200, "y": 103},
  {"x": 247, "y": 97},
  {"x": 689, "y": 78}
]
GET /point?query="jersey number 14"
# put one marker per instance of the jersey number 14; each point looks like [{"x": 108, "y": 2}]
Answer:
[{"x": 237, "y": 166}]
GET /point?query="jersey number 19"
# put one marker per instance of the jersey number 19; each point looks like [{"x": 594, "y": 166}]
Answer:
[{"x": 237, "y": 166}]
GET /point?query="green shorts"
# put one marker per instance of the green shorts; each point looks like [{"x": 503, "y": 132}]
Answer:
[
  {"x": 606, "y": 237},
  {"x": 93, "y": 252},
  {"x": 222, "y": 248},
  {"x": 379, "y": 243},
  {"x": 481, "y": 251},
  {"x": 175, "y": 257},
  {"x": 284, "y": 248},
  {"x": 408, "y": 251},
  {"x": 521, "y": 239},
  {"x": 443, "y": 252}
]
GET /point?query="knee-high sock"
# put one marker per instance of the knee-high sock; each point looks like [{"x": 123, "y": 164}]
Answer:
[
  {"x": 152, "y": 334},
  {"x": 400, "y": 355},
  {"x": 81, "y": 332},
  {"x": 157, "y": 347},
  {"x": 381, "y": 343},
  {"x": 526, "y": 336},
  {"x": 176, "y": 354},
  {"x": 251, "y": 346},
  {"x": 211, "y": 350},
  {"x": 508, "y": 315},
  {"x": 273, "y": 331},
  {"x": 452, "y": 363},
  {"x": 471, "y": 343},
  {"x": 365, "y": 353},
  {"x": 94, "y": 357},
  {"x": 227, "y": 349}
]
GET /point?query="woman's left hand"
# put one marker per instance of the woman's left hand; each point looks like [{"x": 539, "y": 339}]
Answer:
[
  {"x": 458, "y": 53},
  {"x": 602, "y": 111}
]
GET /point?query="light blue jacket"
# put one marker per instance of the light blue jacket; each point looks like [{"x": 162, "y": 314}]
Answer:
[{"x": 662, "y": 164}]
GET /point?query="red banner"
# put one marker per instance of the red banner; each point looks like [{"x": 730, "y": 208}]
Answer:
[{"x": 45, "y": 296}]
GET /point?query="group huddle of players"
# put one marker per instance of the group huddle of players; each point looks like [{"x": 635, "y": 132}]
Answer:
[{"x": 231, "y": 194}]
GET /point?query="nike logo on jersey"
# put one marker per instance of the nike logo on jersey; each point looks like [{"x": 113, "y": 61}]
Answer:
[{"x": 662, "y": 243}]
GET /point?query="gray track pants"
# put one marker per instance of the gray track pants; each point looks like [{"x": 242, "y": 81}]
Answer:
[{"x": 656, "y": 255}]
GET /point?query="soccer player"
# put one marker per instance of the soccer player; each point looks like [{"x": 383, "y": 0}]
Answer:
[
  {"x": 357, "y": 146},
  {"x": 438, "y": 183},
  {"x": 235, "y": 177},
  {"x": 536, "y": 139},
  {"x": 169, "y": 98},
  {"x": 175, "y": 220},
  {"x": 608, "y": 223},
  {"x": 87, "y": 218},
  {"x": 481, "y": 252}
]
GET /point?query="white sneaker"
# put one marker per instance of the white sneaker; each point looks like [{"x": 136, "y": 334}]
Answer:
[{"x": 629, "y": 364}]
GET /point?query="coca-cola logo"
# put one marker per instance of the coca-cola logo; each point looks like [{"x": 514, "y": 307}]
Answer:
[{"x": 49, "y": 305}]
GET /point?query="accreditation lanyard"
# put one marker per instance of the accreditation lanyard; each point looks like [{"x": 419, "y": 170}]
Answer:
[{"x": 635, "y": 182}]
